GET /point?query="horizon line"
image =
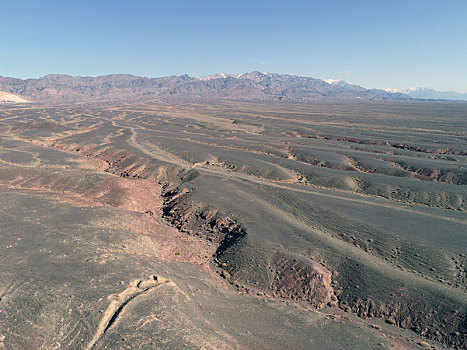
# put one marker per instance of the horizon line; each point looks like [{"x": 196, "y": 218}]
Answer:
[{"x": 236, "y": 76}]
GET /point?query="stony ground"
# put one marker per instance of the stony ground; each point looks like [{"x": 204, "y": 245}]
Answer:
[{"x": 226, "y": 225}]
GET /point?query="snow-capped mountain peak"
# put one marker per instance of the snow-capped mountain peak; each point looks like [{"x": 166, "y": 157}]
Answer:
[
  {"x": 219, "y": 76},
  {"x": 333, "y": 81},
  {"x": 431, "y": 94}
]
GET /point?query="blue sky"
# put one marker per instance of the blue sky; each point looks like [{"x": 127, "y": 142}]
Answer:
[{"x": 383, "y": 44}]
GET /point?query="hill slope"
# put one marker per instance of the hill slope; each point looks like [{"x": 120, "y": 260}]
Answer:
[{"x": 6, "y": 97}]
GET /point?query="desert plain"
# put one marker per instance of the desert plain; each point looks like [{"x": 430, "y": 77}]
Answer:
[{"x": 225, "y": 224}]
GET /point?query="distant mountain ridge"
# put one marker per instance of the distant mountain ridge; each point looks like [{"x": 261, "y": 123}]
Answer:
[
  {"x": 427, "y": 93},
  {"x": 57, "y": 88}
]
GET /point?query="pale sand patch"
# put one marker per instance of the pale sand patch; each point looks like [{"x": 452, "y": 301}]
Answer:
[{"x": 6, "y": 97}]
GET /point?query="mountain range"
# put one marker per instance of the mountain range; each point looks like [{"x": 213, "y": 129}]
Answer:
[
  {"x": 59, "y": 88},
  {"x": 431, "y": 94}
]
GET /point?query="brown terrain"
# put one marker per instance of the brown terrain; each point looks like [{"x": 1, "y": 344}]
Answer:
[
  {"x": 227, "y": 224},
  {"x": 61, "y": 88}
]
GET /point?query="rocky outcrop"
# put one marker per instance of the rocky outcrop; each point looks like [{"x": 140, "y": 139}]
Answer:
[
  {"x": 438, "y": 324},
  {"x": 295, "y": 281}
]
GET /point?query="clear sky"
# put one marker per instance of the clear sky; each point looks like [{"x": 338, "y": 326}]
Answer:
[{"x": 377, "y": 43}]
